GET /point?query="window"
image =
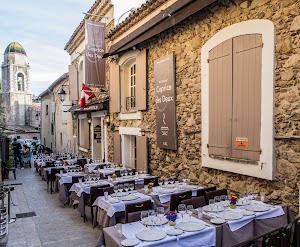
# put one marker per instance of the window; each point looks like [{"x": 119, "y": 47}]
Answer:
[
  {"x": 20, "y": 82},
  {"x": 130, "y": 101},
  {"x": 237, "y": 67},
  {"x": 47, "y": 110},
  {"x": 128, "y": 82}
]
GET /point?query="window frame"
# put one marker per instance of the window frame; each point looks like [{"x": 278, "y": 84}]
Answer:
[
  {"x": 265, "y": 167},
  {"x": 84, "y": 133}
]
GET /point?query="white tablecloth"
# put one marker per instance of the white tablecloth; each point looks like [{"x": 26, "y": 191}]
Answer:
[
  {"x": 67, "y": 177},
  {"x": 163, "y": 198},
  {"x": 235, "y": 225},
  {"x": 111, "y": 209},
  {"x": 79, "y": 188},
  {"x": 92, "y": 166},
  {"x": 204, "y": 238}
]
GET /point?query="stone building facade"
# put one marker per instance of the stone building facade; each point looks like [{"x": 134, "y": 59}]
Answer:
[
  {"x": 186, "y": 40},
  {"x": 56, "y": 121}
]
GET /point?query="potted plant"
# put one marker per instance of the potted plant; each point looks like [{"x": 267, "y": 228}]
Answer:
[{"x": 6, "y": 166}]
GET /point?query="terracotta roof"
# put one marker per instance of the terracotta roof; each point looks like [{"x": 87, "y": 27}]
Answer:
[
  {"x": 36, "y": 106},
  {"x": 135, "y": 17}
]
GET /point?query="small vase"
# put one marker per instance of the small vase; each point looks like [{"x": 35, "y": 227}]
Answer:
[
  {"x": 150, "y": 190},
  {"x": 114, "y": 179},
  {"x": 233, "y": 206},
  {"x": 172, "y": 223}
]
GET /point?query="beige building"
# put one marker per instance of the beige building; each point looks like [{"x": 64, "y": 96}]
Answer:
[
  {"x": 56, "y": 121},
  {"x": 234, "y": 73}
]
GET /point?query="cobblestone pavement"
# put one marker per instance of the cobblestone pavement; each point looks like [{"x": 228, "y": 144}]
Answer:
[{"x": 54, "y": 224}]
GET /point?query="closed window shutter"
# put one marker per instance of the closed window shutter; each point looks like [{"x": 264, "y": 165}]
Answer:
[
  {"x": 141, "y": 153},
  {"x": 117, "y": 148},
  {"x": 114, "y": 88},
  {"x": 141, "y": 79},
  {"x": 220, "y": 99},
  {"x": 247, "y": 59},
  {"x": 73, "y": 84}
]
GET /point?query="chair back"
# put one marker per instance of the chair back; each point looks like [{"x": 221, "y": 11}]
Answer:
[
  {"x": 197, "y": 201},
  {"x": 97, "y": 191},
  {"x": 212, "y": 194},
  {"x": 49, "y": 163},
  {"x": 81, "y": 162},
  {"x": 201, "y": 192},
  {"x": 177, "y": 199},
  {"x": 76, "y": 179},
  {"x": 136, "y": 207},
  {"x": 151, "y": 180},
  {"x": 55, "y": 170}
]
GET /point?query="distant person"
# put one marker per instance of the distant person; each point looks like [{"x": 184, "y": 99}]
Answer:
[
  {"x": 17, "y": 153},
  {"x": 41, "y": 148},
  {"x": 26, "y": 150}
]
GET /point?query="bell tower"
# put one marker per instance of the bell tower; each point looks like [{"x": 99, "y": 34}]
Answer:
[{"x": 16, "y": 98}]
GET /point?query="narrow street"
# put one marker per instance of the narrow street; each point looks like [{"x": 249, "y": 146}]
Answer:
[{"x": 54, "y": 224}]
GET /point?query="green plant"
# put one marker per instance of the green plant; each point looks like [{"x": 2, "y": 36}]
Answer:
[{"x": 9, "y": 163}]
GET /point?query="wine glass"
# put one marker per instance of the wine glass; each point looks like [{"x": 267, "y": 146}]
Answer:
[
  {"x": 126, "y": 187},
  {"x": 120, "y": 187},
  {"x": 160, "y": 214},
  {"x": 182, "y": 210},
  {"x": 171, "y": 180},
  {"x": 189, "y": 209},
  {"x": 131, "y": 187},
  {"x": 130, "y": 172},
  {"x": 217, "y": 200},
  {"x": 211, "y": 203},
  {"x": 116, "y": 189},
  {"x": 160, "y": 181},
  {"x": 126, "y": 173},
  {"x": 152, "y": 215},
  {"x": 144, "y": 217}
]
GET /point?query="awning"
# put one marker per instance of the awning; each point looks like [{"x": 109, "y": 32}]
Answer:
[
  {"x": 167, "y": 18},
  {"x": 97, "y": 105}
]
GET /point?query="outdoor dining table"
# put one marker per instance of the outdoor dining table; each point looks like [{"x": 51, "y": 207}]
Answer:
[
  {"x": 227, "y": 234},
  {"x": 77, "y": 190},
  {"x": 95, "y": 165},
  {"x": 63, "y": 180},
  {"x": 106, "y": 211}
]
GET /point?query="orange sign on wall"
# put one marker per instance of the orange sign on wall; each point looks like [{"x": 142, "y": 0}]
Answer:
[{"x": 241, "y": 143}]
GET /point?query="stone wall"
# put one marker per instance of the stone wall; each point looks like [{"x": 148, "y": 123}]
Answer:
[{"x": 186, "y": 40}]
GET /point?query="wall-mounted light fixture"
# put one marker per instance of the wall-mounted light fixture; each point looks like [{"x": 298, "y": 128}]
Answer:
[
  {"x": 62, "y": 94},
  {"x": 89, "y": 120},
  {"x": 107, "y": 120}
]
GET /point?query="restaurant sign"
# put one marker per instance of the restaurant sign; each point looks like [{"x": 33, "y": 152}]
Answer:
[
  {"x": 164, "y": 76},
  {"x": 97, "y": 132}
]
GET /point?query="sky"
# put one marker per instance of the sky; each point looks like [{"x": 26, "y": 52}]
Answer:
[{"x": 42, "y": 27}]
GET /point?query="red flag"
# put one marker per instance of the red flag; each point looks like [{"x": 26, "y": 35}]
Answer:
[{"x": 86, "y": 95}]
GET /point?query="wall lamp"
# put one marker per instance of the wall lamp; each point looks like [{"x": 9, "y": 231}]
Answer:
[
  {"x": 143, "y": 131},
  {"x": 62, "y": 95},
  {"x": 89, "y": 120},
  {"x": 107, "y": 120}
]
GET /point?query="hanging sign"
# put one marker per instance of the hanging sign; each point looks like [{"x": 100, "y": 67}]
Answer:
[
  {"x": 164, "y": 76},
  {"x": 97, "y": 132},
  {"x": 94, "y": 50}
]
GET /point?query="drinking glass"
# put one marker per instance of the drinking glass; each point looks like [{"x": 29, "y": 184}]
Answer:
[
  {"x": 166, "y": 182},
  {"x": 126, "y": 173},
  {"x": 116, "y": 189},
  {"x": 211, "y": 203},
  {"x": 119, "y": 230},
  {"x": 262, "y": 196},
  {"x": 144, "y": 217},
  {"x": 188, "y": 181},
  {"x": 120, "y": 187},
  {"x": 130, "y": 172},
  {"x": 152, "y": 216},
  {"x": 184, "y": 181},
  {"x": 217, "y": 200},
  {"x": 200, "y": 213},
  {"x": 189, "y": 209},
  {"x": 126, "y": 187},
  {"x": 223, "y": 199},
  {"x": 131, "y": 187},
  {"x": 160, "y": 214},
  {"x": 141, "y": 171},
  {"x": 171, "y": 180},
  {"x": 182, "y": 210},
  {"x": 160, "y": 181}
]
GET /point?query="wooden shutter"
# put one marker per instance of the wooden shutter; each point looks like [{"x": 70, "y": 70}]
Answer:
[
  {"x": 114, "y": 88},
  {"x": 220, "y": 99},
  {"x": 141, "y": 153},
  {"x": 117, "y": 148},
  {"x": 247, "y": 62},
  {"x": 141, "y": 79},
  {"x": 73, "y": 83}
]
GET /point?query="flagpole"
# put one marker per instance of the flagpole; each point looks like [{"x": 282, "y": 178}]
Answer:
[{"x": 102, "y": 16}]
